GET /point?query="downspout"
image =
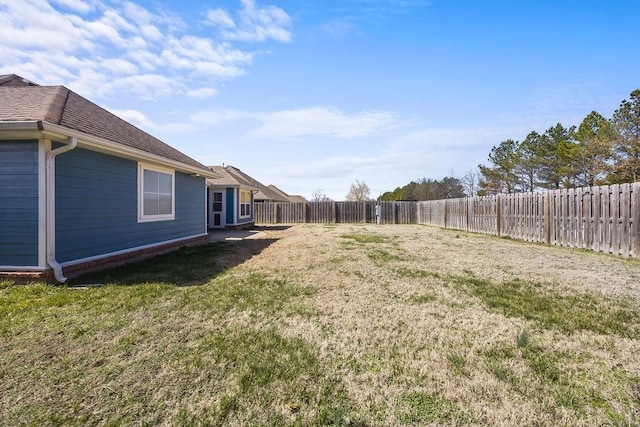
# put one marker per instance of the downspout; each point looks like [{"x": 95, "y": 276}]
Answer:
[{"x": 51, "y": 207}]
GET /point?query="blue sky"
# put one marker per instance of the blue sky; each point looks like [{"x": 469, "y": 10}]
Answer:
[{"x": 311, "y": 94}]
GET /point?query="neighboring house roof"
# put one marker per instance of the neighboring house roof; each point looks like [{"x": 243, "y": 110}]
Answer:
[
  {"x": 14, "y": 80},
  {"x": 23, "y": 101},
  {"x": 298, "y": 199},
  {"x": 231, "y": 176},
  {"x": 294, "y": 199},
  {"x": 228, "y": 176},
  {"x": 267, "y": 195}
]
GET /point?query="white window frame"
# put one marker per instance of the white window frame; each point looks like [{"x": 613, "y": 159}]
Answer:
[
  {"x": 247, "y": 203},
  {"x": 161, "y": 217}
]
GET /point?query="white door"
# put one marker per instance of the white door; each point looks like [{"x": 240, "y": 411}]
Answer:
[{"x": 217, "y": 219}]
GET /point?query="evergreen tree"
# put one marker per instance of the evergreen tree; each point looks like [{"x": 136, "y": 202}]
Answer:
[
  {"x": 529, "y": 162},
  {"x": 557, "y": 155},
  {"x": 626, "y": 121},
  {"x": 595, "y": 138},
  {"x": 502, "y": 176}
]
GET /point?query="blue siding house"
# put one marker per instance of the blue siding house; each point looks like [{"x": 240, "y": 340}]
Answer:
[
  {"x": 82, "y": 189},
  {"x": 230, "y": 198}
]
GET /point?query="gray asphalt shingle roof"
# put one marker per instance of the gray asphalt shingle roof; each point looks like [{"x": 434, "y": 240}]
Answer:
[
  {"x": 22, "y": 100},
  {"x": 232, "y": 176}
]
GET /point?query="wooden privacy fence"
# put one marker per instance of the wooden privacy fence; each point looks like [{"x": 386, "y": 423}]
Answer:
[
  {"x": 603, "y": 219},
  {"x": 335, "y": 212}
]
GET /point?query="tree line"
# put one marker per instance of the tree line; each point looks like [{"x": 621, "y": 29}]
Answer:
[{"x": 599, "y": 151}]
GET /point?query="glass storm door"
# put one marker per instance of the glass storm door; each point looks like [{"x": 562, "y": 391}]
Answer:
[{"x": 217, "y": 210}]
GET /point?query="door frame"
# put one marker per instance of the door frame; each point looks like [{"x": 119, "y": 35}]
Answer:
[{"x": 212, "y": 213}]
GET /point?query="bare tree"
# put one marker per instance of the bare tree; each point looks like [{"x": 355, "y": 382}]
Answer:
[
  {"x": 358, "y": 192},
  {"x": 470, "y": 182},
  {"x": 319, "y": 195}
]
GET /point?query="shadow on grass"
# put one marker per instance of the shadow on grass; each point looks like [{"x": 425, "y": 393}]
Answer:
[
  {"x": 270, "y": 227},
  {"x": 189, "y": 266}
]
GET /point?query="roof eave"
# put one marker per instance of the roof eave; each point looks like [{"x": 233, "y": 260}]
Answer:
[
  {"x": 35, "y": 129},
  {"x": 231, "y": 185},
  {"x": 21, "y": 129},
  {"x": 110, "y": 146}
]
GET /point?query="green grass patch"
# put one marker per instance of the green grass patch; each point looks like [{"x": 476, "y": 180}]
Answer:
[
  {"x": 423, "y": 298},
  {"x": 381, "y": 257},
  {"x": 185, "y": 267},
  {"x": 568, "y": 313},
  {"x": 421, "y": 408},
  {"x": 458, "y": 363},
  {"x": 415, "y": 273},
  {"x": 146, "y": 349},
  {"x": 4, "y": 283},
  {"x": 253, "y": 292},
  {"x": 546, "y": 374},
  {"x": 366, "y": 237}
]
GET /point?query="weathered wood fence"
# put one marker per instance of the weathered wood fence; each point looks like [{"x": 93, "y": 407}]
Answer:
[
  {"x": 335, "y": 212},
  {"x": 603, "y": 219}
]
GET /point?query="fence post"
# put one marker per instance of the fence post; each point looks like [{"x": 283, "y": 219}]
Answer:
[
  {"x": 547, "y": 217},
  {"x": 395, "y": 213},
  {"x": 635, "y": 220},
  {"x": 467, "y": 204},
  {"x": 444, "y": 214},
  {"x": 333, "y": 207},
  {"x": 498, "y": 216}
]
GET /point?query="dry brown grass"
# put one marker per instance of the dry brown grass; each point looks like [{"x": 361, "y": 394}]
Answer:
[
  {"x": 354, "y": 324},
  {"x": 390, "y": 319}
]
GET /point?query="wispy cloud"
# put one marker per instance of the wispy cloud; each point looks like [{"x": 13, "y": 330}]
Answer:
[
  {"x": 288, "y": 124},
  {"x": 339, "y": 28},
  {"x": 323, "y": 121},
  {"x": 352, "y": 16},
  {"x": 253, "y": 23},
  {"x": 98, "y": 46}
]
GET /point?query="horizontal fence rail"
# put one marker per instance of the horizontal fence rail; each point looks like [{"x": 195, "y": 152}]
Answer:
[{"x": 602, "y": 219}]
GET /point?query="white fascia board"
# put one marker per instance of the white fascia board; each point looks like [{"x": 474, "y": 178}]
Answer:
[
  {"x": 30, "y": 129},
  {"x": 109, "y": 147},
  {"x": 20, "y": 130}
]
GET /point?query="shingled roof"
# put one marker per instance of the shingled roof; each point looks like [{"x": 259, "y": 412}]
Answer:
[
  {"x": 14, "y": 80},
  {"x": 21, "y": 100},
  {"x": 232, "y": 176},
  {"x": 290, "y": 198}
]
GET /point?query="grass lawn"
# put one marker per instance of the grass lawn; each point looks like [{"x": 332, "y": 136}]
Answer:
[{"x": 331, "y": 325}]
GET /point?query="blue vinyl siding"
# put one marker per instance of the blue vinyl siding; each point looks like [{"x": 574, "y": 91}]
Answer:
[
  {"x": 97, "y": 207},
  {"x": 19, "y": 203},
  {"x": 230, "y": 206}
]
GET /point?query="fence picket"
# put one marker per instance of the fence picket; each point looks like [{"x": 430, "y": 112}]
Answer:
[{"x": 600, "y": 218}]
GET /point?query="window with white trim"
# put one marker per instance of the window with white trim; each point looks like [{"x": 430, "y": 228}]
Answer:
[
  {"x": 245, "y": 204},
  {"x": 156, "y": 193}
]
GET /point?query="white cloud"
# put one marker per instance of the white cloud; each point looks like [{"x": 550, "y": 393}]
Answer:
[
  {"x": 119, "y": 66},
  {"x": 77, "y": 5},
  {"x": 136, "y": 118},
  {"x": 338, "y": 28},
  {"x": 451, "y": 139},
  {"x": 203, "y": 92},
  {"x": 288, "y": 124},
  {"x": 98, "y": 46},
  {"x": 219, "y": 17},
  {"x": 323, "y": 121},
  {"x": 253, "y": 24}
]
